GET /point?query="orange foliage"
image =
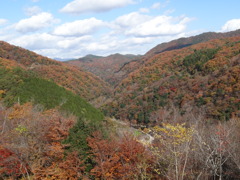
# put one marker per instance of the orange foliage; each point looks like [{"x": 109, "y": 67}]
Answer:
[
  {"x": 213, "y": 85},
  {"x": 36, "y": 137},
  {"x": 123, "y": 158},
  {"x": 72, "y": 78}
]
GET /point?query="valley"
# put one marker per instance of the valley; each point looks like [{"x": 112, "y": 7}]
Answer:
[
  {"x": 187, "y": 73},
  {"x": 172, "y": 113}
]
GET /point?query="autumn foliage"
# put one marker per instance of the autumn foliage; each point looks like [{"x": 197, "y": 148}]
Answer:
[
  {"x": 109, "y": 68},
  {"x": 120, "y": 158},
  {"x": 72, "y": 78},
  {"x": 10, "y": 164},
  {"x": 31, "y": 144},
  {"x": 184, "y": 100},
  {"x": 204, "y": 75}
]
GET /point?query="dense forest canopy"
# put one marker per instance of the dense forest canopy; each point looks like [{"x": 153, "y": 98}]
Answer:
[{"x": 205, "y": 75}]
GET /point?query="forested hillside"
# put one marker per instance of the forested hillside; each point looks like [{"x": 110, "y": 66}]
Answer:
[
  {"x": 184, "y": 42},
  {"x": 202, "y": 76},
  {"x": 173, "y": 45},
  {"x": 107, "y": 68},
  {"x": 177, "y": 115},
  {"x": 72, "y": 78},
  {"x": 36, "y": 115}
]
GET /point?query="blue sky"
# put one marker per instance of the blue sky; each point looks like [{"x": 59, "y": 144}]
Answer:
[{"x": 75, "y": 28}]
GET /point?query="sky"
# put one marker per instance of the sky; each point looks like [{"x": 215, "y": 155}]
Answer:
[{"x": 69, "y": 29}]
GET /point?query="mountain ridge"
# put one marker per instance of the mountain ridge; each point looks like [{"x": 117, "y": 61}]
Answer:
[
  {"x": 182, "y": 76},
  {"x": 121, "y": 71},
  {"x": 104, "y": 67},
  {"x": 176, "y": 44},
  {"x": 187, "y": 41},
  {"x": 72, "y": 78}
]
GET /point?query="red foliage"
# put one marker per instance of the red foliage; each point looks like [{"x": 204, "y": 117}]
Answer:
[{"x": 10, "y": 164}]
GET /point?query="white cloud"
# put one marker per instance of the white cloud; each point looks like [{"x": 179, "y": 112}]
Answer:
[
  {"x": 136, "y": 33},
  {"x": 83, "y": 6},
  {"x": 96, "y": 46},
  {"x": 139, "y": 25},
  {"x": 35, "y": 22},
  {"x": 53, "y": 46},
  {"x": 131, "y": 20},
  {"x": 35, "y": 0},
  {"x": 36, "y": 41},
  {"x": 3, "y": 21},
  {"x": 7, "y": 33},
  {"x": 110, "y": 44},
  {"x": 169, "y": 11},
  {"x": 138, "y": 40},
  {"x": 51, "y": 53},
  {"x": 159, "y": 26},
  {"x": 159, "y": 5},
  {"x": 231, "y": 25},
  {"x": 144, "y": 10},
  {"x": 78, "y": 28},
  {"x": 67, "y": 43},
  {"x": 131, "y": 33},
  {"x": 34, "y": 10},
  {"x": 156, "y": 5}
]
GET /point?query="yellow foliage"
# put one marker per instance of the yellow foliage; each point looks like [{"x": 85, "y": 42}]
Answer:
[
  {"x": 173, "y": 143},
  {"x": 21, "y": 129},
  {"x": 177, "y": 134},
  {"x": 208, "y": 99},
  {"x": 2, "y": 92}
]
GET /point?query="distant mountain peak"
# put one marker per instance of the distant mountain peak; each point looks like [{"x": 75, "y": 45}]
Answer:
[
  {"x": 104, "y": 67},
  {"x": 92, "y": 56}
]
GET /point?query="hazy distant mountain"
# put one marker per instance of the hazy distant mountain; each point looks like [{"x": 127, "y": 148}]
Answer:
[
  {"x": 62, "y": 59},
  {"x": 105, "y": 67}
]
